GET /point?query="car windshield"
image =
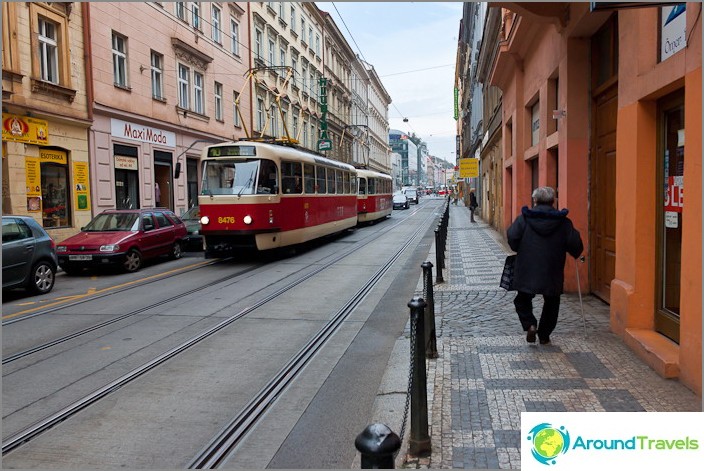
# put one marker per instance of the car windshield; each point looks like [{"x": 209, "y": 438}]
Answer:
[
  {"x": 110, "y": 222},
  {"x": 230, "y": 177},
  {"x": 193, "y": 213}
]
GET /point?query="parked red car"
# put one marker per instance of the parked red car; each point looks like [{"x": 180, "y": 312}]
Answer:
[{"x": 125, "y": 238}]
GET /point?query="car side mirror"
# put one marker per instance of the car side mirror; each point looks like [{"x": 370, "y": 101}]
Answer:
[{"x": 177, "y": 170}]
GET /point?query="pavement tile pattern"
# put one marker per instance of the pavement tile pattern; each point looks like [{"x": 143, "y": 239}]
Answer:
[{"x": 487, "y": 374}]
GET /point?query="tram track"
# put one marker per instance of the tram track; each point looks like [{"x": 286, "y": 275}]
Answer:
[{"x": 219, "y": 448}]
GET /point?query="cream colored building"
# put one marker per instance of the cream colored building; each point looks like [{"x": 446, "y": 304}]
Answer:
[
  {"x": 45, "y": 115},
  {"x": 379, "y": 101}
]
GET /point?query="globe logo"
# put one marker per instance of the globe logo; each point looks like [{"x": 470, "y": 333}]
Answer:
[{"x": 548, "y": 442}]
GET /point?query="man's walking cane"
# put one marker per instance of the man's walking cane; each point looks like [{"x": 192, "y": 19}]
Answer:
[{"x": 579, "y": 290}]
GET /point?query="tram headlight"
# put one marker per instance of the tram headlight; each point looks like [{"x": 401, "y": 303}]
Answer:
[
  {"x": 247, "y": 219},
  {"x": 205, "y": 220}
]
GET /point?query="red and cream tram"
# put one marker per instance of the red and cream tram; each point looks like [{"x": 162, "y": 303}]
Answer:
[
  {"x": 265, "y": 196},
  {"x": 374, "y": 195}
]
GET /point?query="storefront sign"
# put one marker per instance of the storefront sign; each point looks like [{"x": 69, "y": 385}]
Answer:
[
  {"x": 54, "y": 156},
  {"x": 126, "y": 163},
  {"x": 137, "y": 132},
  {"x": 674, "y": 194},
  {"x": 469, "y": 168},
  {"x": 24, "y": 129},
  {"x": 81, "y": 186},
  {"x": 673, "y": 27},
  {"x": 33, "y": 182}
]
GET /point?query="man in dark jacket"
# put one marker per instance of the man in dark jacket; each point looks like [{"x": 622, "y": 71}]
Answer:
[{"x": 541, "y": 238}]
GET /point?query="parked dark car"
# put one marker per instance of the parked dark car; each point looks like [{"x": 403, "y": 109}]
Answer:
[
  {"x": 193, "y": 240},
  {"x": 400, "y": 201},
  {"x": 124, "y": 238},
  {"x": 28, "y": 255}
]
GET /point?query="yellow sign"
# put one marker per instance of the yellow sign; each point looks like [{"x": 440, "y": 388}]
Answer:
[
  {"x": 33, "y": 184},
  {"x": 469, "y": 168},
  {"x": 24, "y": 129},
  {"x": 55, "y": 156},
  {"x": 81, "y": 186}
]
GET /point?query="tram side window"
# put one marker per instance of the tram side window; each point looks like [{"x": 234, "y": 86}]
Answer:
[
  {"x": 331, "y": 181},
  {"x": 291, "y": 177},
  {"x": 320, "y": 174},
  {"x": 338, "y": 179},
  {"x": 268, "y": 178},
  {"x": 309, "y": 178},
  {"x": 362, "y": 186},
  {"x": 372, "y": 186},
  {"x": 353, "y": 181},
  {"x": 346, "y": 181}
]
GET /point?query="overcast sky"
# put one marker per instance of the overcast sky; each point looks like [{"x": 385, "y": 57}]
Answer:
[{"x": 412, "y": 46}]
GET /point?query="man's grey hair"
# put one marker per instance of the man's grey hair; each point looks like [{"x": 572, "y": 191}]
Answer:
[{"x": 544, "y": 195}]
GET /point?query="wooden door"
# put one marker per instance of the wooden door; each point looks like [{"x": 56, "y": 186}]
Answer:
[{"x": 603, "y": 193}]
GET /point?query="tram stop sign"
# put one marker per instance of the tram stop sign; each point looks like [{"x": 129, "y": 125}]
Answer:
[
  {"x": 324, "y": 144},
  {"x": 469, "y": 168}
]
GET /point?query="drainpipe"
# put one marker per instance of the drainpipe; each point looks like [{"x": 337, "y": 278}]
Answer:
[
  {"x": 90, "y": 95},
  {"x": 251, "y": 86}
]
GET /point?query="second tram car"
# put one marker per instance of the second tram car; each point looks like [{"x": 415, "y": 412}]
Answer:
[
  {"x": 374, "y": 200},
  {"x": 265, "y": 196}
]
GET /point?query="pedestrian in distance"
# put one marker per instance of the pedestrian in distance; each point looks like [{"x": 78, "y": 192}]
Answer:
[
  {"x": 541, "y": 237},
  {"x": 472, "y": 204}
]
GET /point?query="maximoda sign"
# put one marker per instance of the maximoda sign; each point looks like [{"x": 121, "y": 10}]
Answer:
[
  {"x": 574, "y": 441},
  {"x": 137, "y": 132}
]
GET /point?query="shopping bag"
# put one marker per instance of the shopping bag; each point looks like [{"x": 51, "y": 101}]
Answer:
[{"x": 507, "y": 275}]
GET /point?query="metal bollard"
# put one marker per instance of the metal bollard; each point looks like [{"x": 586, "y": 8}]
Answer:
[
  {"x": 378, "y": 444},
  {"x": 438, "y": 257},
  {"x": 419, "y": 441},
  {"x": 431, "y": 349}
]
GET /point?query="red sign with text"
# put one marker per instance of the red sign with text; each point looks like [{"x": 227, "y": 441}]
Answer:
[{"x": 674, "y": 194}]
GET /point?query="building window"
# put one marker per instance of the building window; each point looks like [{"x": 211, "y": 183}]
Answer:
[
  {"x": 293, "y": 19},
  {"x": 217, "y": 20},
  {"x": 184, "y": 86},
  {"x": 282, "y": 57},
  {"x": 303, "y": 29},
  {"x": 282, "y": 11},
  {"x": 236, "y": 109},
  {"x": 48, "y": 51},
  {"x": 258, "y": 53},
  {"x": 119, "y": 59},
  {"x": 310, "y": 37},
  {"x": 218, "y": 101},
  {"x": 294, "y": 66},
  {"x": 534, "y": 124},
  {"x": 234, "y": 37},
  {"x": 181, "y": 10},
  {"x": 157, "y": 75},
  {"x": 305, "y": 133},
  {"x": 260, "y": 114},
  {"x": 272, "y": 55},
  {"x": 56, "y": 200},
  {"x": 274, "y": 123},
  {"x": 198, "y": 104},
  {"x": 317, "y": 44},
  {"x": 295, "y": 127},
  {"x": 195, "y": 15},
  {"x": 304, "y": 75}
]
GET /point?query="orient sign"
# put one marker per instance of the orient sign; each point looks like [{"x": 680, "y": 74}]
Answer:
[{"x": 138, "y": 132}]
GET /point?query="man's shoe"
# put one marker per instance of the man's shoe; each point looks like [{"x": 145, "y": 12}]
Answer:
[
  {"x": 545, "y": 341},
  {"x": 530, "y": 336}
]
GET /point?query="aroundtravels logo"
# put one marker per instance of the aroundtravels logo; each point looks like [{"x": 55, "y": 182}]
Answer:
[{"x": 548, "y": 442}]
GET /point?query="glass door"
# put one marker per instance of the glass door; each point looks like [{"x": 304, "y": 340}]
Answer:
[{"x": 667, "y": 317}]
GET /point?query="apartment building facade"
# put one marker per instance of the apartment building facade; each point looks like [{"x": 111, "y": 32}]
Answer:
[
  {"x": 45, "y": 171},
  {"x": 378, "y": 116}
]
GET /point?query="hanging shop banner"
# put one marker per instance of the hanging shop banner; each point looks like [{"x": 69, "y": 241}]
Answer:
[
  {"x": 24, "y": 129},
  {"x": 33, "y": 184},
  {"x": 469, "y": 168},
  {"x": 81, "y": 186}
]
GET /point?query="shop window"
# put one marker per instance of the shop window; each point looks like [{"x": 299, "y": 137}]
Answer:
[
  {"x": 56, "y": 199},
  {"x": 126, "y": 177}
]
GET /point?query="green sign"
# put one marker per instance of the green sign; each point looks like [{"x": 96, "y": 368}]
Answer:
[
  {"x": 457, "y": 106},
  {"x": 324, "y": 144}
]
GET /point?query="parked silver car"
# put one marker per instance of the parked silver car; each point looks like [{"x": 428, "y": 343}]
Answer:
[{"x": 28, "y": 255}]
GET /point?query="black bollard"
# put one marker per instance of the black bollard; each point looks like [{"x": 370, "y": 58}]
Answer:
[
  {"x": 431, "y": 349},
  {"x": 378, "y": 444},
  {"x": 438, "y": 257},
  {"x": 419, "y": 441}
]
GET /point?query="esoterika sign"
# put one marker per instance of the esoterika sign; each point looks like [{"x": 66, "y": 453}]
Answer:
[{"x": 469, "y": 168}]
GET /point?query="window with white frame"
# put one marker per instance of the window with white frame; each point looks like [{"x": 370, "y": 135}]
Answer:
[
  {"x": 48, "y": 51},
  {"x": 157, "y": 62},
  {"x": 217, "y": 91},
  {"x": 284, "y": 121},
  {"x": 304, "y": 76},
  {"x": 317, "y": 44},
  {"x": 217, "y": 24},
  {"x": 184, "y": 86},
  {"x": 181, "y": 10},
  {"x": 294, "y": 123},
  {"x": 305, "y": 133},
  {"x": 303, "y": 29},
  {"x": 282, "y": 57},
  {"x": 198, "y": 85},
  {"x": 260, "y": 114},
  {"x": 294, "y": 66},
  {"x": 272, "y": 53},
  {"x": 236, "y": 109},
  {"x": 293, "y": 19},
  {"x": 274, "y": 122},
  {"x": 282, "y": 11},
  {"x": 195, "y": 15},
  {"x": 310, "y": 37},
  {"x": 234, "y": 37},
  {"x": 258, "y": 38},
  {"x": 119, "y": 59}
]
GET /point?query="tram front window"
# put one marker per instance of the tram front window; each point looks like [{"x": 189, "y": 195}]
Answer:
[{"x": 230, "y": 177}]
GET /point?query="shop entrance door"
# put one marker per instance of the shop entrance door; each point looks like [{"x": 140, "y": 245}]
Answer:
[{"x": 163, "y": 171}]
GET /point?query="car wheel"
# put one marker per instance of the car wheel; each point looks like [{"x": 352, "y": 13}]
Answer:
[
  {"x": 133, "y": 261},
  {"x": 176, "y": 250},
  {"x": 42, "y": 278}
]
